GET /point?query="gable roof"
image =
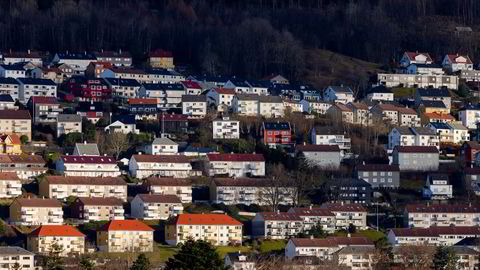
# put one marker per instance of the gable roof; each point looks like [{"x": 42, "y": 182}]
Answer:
[
  {"x": 44, "y": 100},
  {"x": 38, "y": 202},
  {"x": 155, "y": 198},
  {"x": 332, "y": 242},
  {"x": 443, "y": 208},
  {"x": 84, "y": 180},
  {"x": 424, "y": 131},
  {"x": 248, "y": 97},
  {"x": 416, "y": 149},
  {"x": 194, "y": 98},
  {"x": 142, "y": 101},
  {"x": 433, "y": 92},
  {"x": 107, "y": 201},
  {"x": 166, "y": 181},
  {"x": 436, "y": 231},
  {"x": 11, "y": 250},
  {"x": 404, "y": 131},
  {"x": 56, "y": 230},
  {"x": 122, "y": 82},
  {"x": 358, "y": 105},
  {"x": 439, "y": 125},
  {"x": 341, "y": 89},
  {"x": 15, "y": 114},
  {"x": 317, "y": 148},
  {"x": 191, "y": 84},
  {"x": 164, "y": 141},
  {"x": 36, "y": 81},
  {"x": 412, "y": 55},
  {"x": 162, "y": 158},
  {"x": 9, "y": 176},
  {"x": 280, "y": 216},
  {"x": 87, "y": 149},
  {"x": 14, "y": 138},
  {"x": 270, "y": 99},
  {"x": 241, "y": 182},
  {"x": 225, "y": 91},
  {"x": 307, "y": 211},
  {"x": 89, "y": 159},
  {"x": 344, "y": 207},
  {"x": 205, "y": 219},
  {"x": 276, "y": 125},
  {"x": 236, "y": 157},
  {"x": 125, "y": 225},
  {"x": 26, "y": 159},
  {"x": 454, "y": 59},
  {"x": 440, "y": 116}
]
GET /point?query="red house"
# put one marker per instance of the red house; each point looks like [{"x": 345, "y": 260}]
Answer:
[
  {"x": 468, "y": 152},
  {"x": 276, "y": 133},
  {"x": 86, "y": 89}
]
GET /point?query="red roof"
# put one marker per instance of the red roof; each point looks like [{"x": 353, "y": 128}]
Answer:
[
  {"x": 56, "y": 230},
  {"x": 152, "y": 101},
  {"x": 453, "y": 59},
  {"x": 343, "y": 108},
  {"x": 14, "y": 137},
  {"x": 15, "y": 114},
  {"x": 206, "y": 219},
  {"x": 191, "y": 84},
  {"x": 345, "y": 207},
  {"x": 281, "y": 216},
  {"x": 225, "y": 91},
  {"x": 92, "y": 115},
  {"x": 89, "y": 159},
  {"x": 416, "y": 149},
  {"x": 125, "y": 225},
  {"x": 443, "y": 208},
  {"x": 103, "y": 64},
  {"x": 9, "y": 176},
  {"x": 441, "y": 116},
  {"x": 44, "y": 100},
  {"x": 236, "y": 157},
  {"x": 151, "y": 198},
  {"x": 162, "y": 158},
  {"x": 160, "y": 53},
  {"x": 311, "y": 211},
  {"x": 412, "y": 55},
  {"x": 332, "y": 242}
]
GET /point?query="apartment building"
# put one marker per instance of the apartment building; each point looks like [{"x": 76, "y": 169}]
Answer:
[
  {"x": 10, "y": 185},
  {"x": 231, "y": 191},
  {"x": 438, "y": 187},
  {"x": 350, "y": 190},
  {"x": 323, "y": 156},
  {"x": 313, "y": 106},
  {"x": 468, "y": 258},
  {"x": 276, "y": 133},
  {"x": 469, "y": 115},
  {"x": 385, "y": 113},
  {"x": 292, "y": 106},
  {"x": 430, "y": 94},
  {"x": 68, "y": 123},
  {"x": 246, "y": 104},
  {"x": 167, "y": 95},
  {"x": 443, "y": 131},
  {"x": 12, "y": 71},
  {"x": 435, "y": 236},
  {"x": 379, "y": 175},
  {"x": 162, "y": 146},
  {"x": 417, "y": 80},
  {"x": 324, "y": 249},
  {"x": 9, "y": 86},
  {"x": 179, "y": 187},
  {"x": 25, "y": 166},
  {"x": 346, "y": 214},
  {"x": 35, "y": 211},
  {"x": 316, "y": 217},
  {"x": 225, "y": 128},
  {"x": 416, "y": 158},
  {"x": 97, "y": 208},
  {"x": 92, "y": 166},
  {"x": 443, "y": 215},
  {"x": 380, "y": 93},
  {"x": 361, "y": 113},
  {"x": 426, "y": 137},
  {"x": 70, "y": 240},
  {"x": 12, "y": 57},
  {"x": 217, "y": 229},
  {"x": 437, "y": 117},
  {"x": 44, "y": 109},
  {"x": 270, "y": 106},
  {"x": 469, "y": 152},
  {"x": 30, "y": 87},
  {"x": 160, "y": 59},
  {"x": 459, "y": 132},
  {"x": 418, "y": 136},
  {"x": 11, "y": 256},
  {"x": 123, "y": 88},
  {"x": 276, "y": 225},
  {"x": 155, "y": 207},
  {"x": 338, "y": 94},
  {"x": 119, "y": 59},
  {"x": 222, "y": 98},
  {"x": 194, "y": 106},
  {"x": 340, "y": 112},
  {"x": 238, "y": 165},
  {"x": 330, "y": 136},
  {"x": 61, "y": 187},
  {"x": 356, "y": 257},
  {"x": 177, "y": 166},
  {"x": 16, "y": 122},
  {"x": 125, "y": 236}
]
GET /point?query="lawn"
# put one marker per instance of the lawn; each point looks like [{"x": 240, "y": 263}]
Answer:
[
  {"x": 272, "y": 245},
  {"x": 370, "y": 234},
  {"x": 400, "y": 92},
  {"x": 160, "y": 254}
]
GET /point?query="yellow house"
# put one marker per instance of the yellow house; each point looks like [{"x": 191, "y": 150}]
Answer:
[
  {"x": 10, "y": 144},
  {"x": 161, "y": 59},
  {"x": 433, "y": 106}
]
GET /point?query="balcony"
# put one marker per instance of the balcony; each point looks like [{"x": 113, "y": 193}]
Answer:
[
  {"x": 442, "y": 218},
  {"x": 28, "y": 211},
  {"x": 151, "y": 207},
  {"x": 14, "y": 185},
  {"x": 92, "y": 210},
  {"x": 249, "y": 191},
  {"x": 56, "y": 213},
  {"x": 460, "y": 218},
  {"x": 419, "y": 218},
  {"x": 55, "y": 220},
  {"x": 92, "y": 217},
  {"x": 116, "y": 190},
  {"x": 59, "y": 189},
  {"x": 14, "y": 192},
  {"x": 118, "y": 211},
  {"x": 226, "y": 191},
  {"x": 96, "y": 190},
  {"x": 178, "y": 208},
  {"x": 27, "y": 219}
]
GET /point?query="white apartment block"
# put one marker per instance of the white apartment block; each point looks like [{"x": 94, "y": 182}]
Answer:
[
  {"x": 327, "y": 136},
  {"x": 70, "y": 240},
  {"x": 35, "y": 211},
  {"x": 177, "y": 166},
  {"x": 293, "y": 106},
  {"x": 167, "y": 95},
  {"x": 222, "y": 98},
  {"x": 16, "y": 122},
  {"x": 125, "y": 236},
  {"x": 226, "y": 129},
  {"x": 433, "y": 236},
  {"x": 91, "y": 166},
  {"x": 346, "y": 214},
  {"x": 68, "y": 123},
  {"x": 312, "y": 106},
  {"x": 276, "y": 225},
  {"x": 162, "y": 146},
  {"x": 12, "y": 71},
  {"x": 324, "y": 249},
  {"x": 338, "y": 94},
  {"x": 238, "y": 165},
  {"x": 123, "y": 88},
  {"x": 11, "y": 256},
  {"x": 469, "y": 116},
  {"x": 9, "y": 86},
  {"x": 246, "y": 104},
  {"x": 357, "y": 257},
  {"x": 10, "y": 185},
  {"x": 218, "y": 229},
  {"x": 459, "y": 132},
  {"x": 271, "y": 106},
  {"x": 97, "y": 208},
  {"x": 155, "y": 207},
  {"x": 418, "y": 136},
  {"x": 61, "y": 187},
  {"x": 30, "y": 87},
  {"x": 425, "y": 216},
  {"x": 194, "y": 106},
  {"x": 179, "y": 187},
  {"x": 231, "y": 191},
  {"x": 418, "y": 80},
  {"x": 314, "y": 217}
]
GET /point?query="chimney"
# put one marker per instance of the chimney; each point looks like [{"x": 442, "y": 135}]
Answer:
[
  {"x": 28, "y": 51},
  {"x": 349, "y": 235},
  {"x": 304, "y": 143},
  {"x": 311, "y": 236},
  {"x": 84, "y": 142},
  {"x": 120, "y": 51},
  {"x": 278, "y": 211}
]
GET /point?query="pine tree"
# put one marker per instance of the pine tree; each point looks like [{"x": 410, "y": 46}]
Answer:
[
  {"x": 195, "y": 255},
  {"x": 86, "y": 264},
  {"x": 53, "y": 261},
  {"x": 445, "y": 259},
  {"x": 142, "y": 263}
]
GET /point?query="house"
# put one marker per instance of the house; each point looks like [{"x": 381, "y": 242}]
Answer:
[
  {"x": 417, "y": 80},
  {"x": 194, "y": 106},
  {"x": 123, "y": 88},
  {"x": 162, "y": 146},
  {"x": 324, "y": 249},
  {"x": 469, "y": 153},
  {"x": 425, "y": 69},
  {"x": 35, "y": 87},
  {"x": 125, "y": 236},
  {"x": 17, "y": 122},
  {"x": 443, "y": 131},
  {"x": 88, "y": 89},
  {"x": 119, "y": 59},
  {"x": 25, "y": 166},
  {"x": 456, "y": 62},
  {"x": 68, "y": 123},
  {"x": 68, "y": 238},
  {"x": 357, "y": 258},
  {"x": 432, "y": 94},
  {"x": 276, "y": 225},
  {"x": 340, "y": 112},
  {"x": 35, "y": 211},
  {"x": 10, "y": 86},
  {"x": 160, "y": 59},
  {"x": 225, "y": 128},
  {"x": 61, "y": 187},
  {"x": 178, "y": 166},
  {"x": 330, "y": 136},
  {"x": 437, "y": 187},
  {"x": 14, "y": 71},
  {"x": 379, "y": 175},
  {"x": 91, "y": 166},
  {"x": 437, "y": 117},
  {"x": 239, "y": 86},
  {"x": 192, "y": 88},
  {"x": 271, "y": 106},
  {"x": 361, "y": 113},
  {"x": 124, "y": 124},
  {"x": 10, "y": 256},
  {"x": 258, "y": 87},
  {"x": 408, "y": 117},
  {"x": 44, "y": 109},
  {"x": 459, "y": 132},
  {"x": 416, "y": 158},
  {"x": 441, "y": 215},
  {"x": 425, "y": 137},
  {"x": 86, "y": 149},
  {"x": 54, "y": 73},
  {"x": 92, "y": 111},
  {"x": 433, "y": 236},
  {"x": 312, "y": 106},
  {"x": 97, "y": 208},
  {"x": 433, "y": 106},
  {"x": 232, "y": 191},
  {"x": 380, "y": 93},
  {"x": 238, "y": 165},
  {"x": 350, "y": 190},
  {"x": 10, "y": 144},
  {"x": 292, "y": 106},
  {"x": 315, "y": 217},
  {"x": 322, "y": 156},
  {"x": 10, "y": 185},
  {"x": 218, "y": 229},
  {"x": 276, "y": 133},
  {"x": 240, "y": 261},
  {"x": 12, "y": 57},
  {"x": 179, "y": 187},
  {"x": 409, "y": 58},
  {"x": 150, "y": 206},
  {"x": 172, "y": 123},
  {"x": 338, "y": 94},
  {"x": 96, "y": 69},
  {"x": 467, "y": 257},
  {"x": 222, "y": 98},
  {"x": 346, "y": 214},
  {"x": 246, "y": 104},
  {"x": 78, "y": 61},
  {"x": 385, "y": 113},
  {"x": 167, "y": 95},
  {"x": 276, "y": 79},
  {"x": 469, "y": 115}
]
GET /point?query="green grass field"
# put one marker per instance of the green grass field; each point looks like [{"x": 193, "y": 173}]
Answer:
[
  {"x": 401, "y": 92},
  {"x": 370, "y": 234},
  {"x": 272, "y": 245}
]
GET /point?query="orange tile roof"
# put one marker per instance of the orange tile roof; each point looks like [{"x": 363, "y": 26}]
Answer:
[
  {"x": 206, "y": 219},
  {"x": 435, "y": 115},
  {"x": 126, "y": 225},
  {"x": 56, "y": 230},
  {"x": 143, "y": 101},
  {"x": 14, "y": 137}
]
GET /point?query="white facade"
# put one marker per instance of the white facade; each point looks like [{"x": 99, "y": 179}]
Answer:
[
  {"x": 247, "y": 106},
  {"x": 459, "y": 133},
  {"x": 380, "y": 96},
  {"x": 454, "y": 63},
  {"x": 10, "y": 186},
  {"x": 469, "y": 117},
  {"x": 162, "y": 146},
  {"x": 238, "y": 165},
  {"x": 221, "y": 98},
  {"x": 155, "y": 207},
  {"x": 197, "y": 109},
  {"x": 141, "y": 166},
  {"x": 9, "y": 87},
  {"x": 331, "y": 139},
  {"x": 88, "y": 166},
  {"x": 8, "y": 72},
  {"x": 160, "y": 187},
  {"x": 332, "y": 94},
  {"x": 312, "y": 106},
  {"x": 271, "y": 109},
  {"x": 29, "y": 89},
  {"x": 11, "y": 256},
  {"x": 437, "y": 189},
  {"x": 441, "y": 216},
  {"x": 418, "y": 80},
  {"x": 431, "y": 236},
  {"x": 226, "y": 129}
]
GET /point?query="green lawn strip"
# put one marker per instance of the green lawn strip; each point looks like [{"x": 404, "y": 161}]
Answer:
[{"x": 272, "y": 245}]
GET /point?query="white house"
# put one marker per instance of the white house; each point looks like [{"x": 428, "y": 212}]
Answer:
[
  {"x": 222, "y": 98},
  {"x": 162, "y": 146},
  {"x": 258, "y": 87},
  {"x": 328, "y": 136},
  {"x": 12, "y": 71},
  {"x": 338, "y": 94},
  {"x": 92, "y": 166},
  {"x": 194, "y": 106},
  {"x": 141, "y": 166},
  {"x": 425, "y": 69},
  {"x": 238, "y": 165},
  {"x": 437, "y": 187},
  {"x": 240, "y": 86},
  {"x": 124, "y": 124},
  {"x": 123, "y": 88},
  {"x": 271, "y": 106},
  {"x": 225, "y": 128},
  {"x": 155, "y": 207},
  {"x": 9, "y": 86},
  {"x": 12, "y": 255},
  {"x": 469, "y": 115},
  {"x": 78, "y": 61},
  {"x": 456, "y": 62},
  {"x": 380, "y": 93},
  {"x": 459, "y": 132},
  {"x": 167, "y": 95},
  {"x": 36, "y": 87},
  {"x": 68, "y": 123},
  {"x": 415, "y": 58},
  {"x": 312, "y": 106},
  {"x": 443, "y": 131},
  {"x": 180, "y": 187},
  {"x": 246, "y": 104}
]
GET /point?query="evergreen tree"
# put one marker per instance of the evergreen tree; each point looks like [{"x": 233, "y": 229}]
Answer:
[
  {"x": 53, "y": 261},
  {"x": 445, "y": 259},
  {"x": 86, "y": 264},
  {"x": 142, "y": 263},
  {"x": 195, "y": 255}
]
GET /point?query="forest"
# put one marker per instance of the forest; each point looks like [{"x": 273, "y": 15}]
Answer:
[{"x": 248, "y": 38}]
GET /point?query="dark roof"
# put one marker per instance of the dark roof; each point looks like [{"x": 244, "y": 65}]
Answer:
[
  {"x": 378, "y": 168},
  {"x": 469, "y": 241},
  {"x": 438, "y": 176},
  {"x": 270, "y": 99},
  {"x": 127, "y": 119},
  {"x": 280, "y": 216},
  {"x": 276, "y": 125},
  {"x": 168, "y": 182},
  {"x": 123, "y": 54},
  {"x": 443, "y": 208},
  {"x": 123, "y": 82},
  {"x": 307, "y": 211},
  {"x": 433, "y": 92},
  {"x": 473, "y": 171},
  {"x": 76, "y": 56},
  {"x": 8, "y": 81},
  {"x": 13, "y": 67},
  {"x": 36, "y": 81},
  {"x": 328, "y": 130},
  {"x": 150, "y": 198},
  {"x": 416, "y": 149},
  {"x": 109, "y": 201},
  {"x": 404, "y": 131},
  {"x": 162, "y": 158},
  {"x": 6, "y": 98},
  {"x": 15, "y": 114},
  {"x": 89, "y": 159},
  {"x": 317, "y": 148},
  {"x": 87, "y": 106},
  {"x": 83, "y": 180},
  {"x": 436, "y": 231},
  {"x": 15, "y": 251},
  {"x": 341, "y": 89},
  {"x": 462, "y": 250},
  {"x": 27, "y": 159},
  {"x": 247, "y": 97},
  {"x": 380, "y": 89},
  {"x": 332, "y": 241},
  {"x": 424, "y": 131},
  {"x": 198, "y": 149},
  {"x": 439, "y": 125},
  {"x": 194, "y": 98},
  {"x": 433, "y": 104},
  {"x": 69, "y": 118},
  {"x": 239, "y": 83},
  {"x": 164, "y": 86},
  {"x": 259, "y": 84},
  {"x": 236, "y": 157},
  {"x": 38, "y": 202}
]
